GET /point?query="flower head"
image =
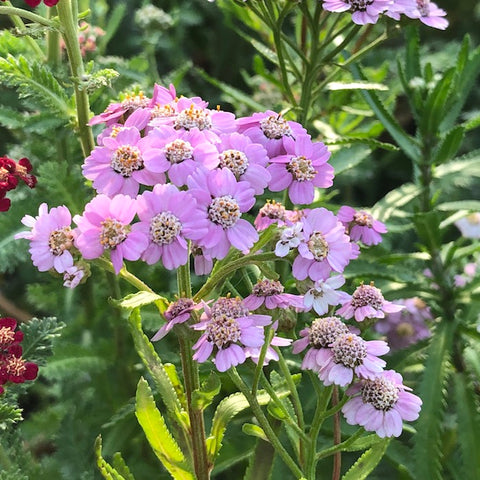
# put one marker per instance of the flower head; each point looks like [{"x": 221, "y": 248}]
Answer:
[
  {"x": 301, "y": 169},
  {"x": 361, "y": 226},
  {"x": 51, "y": 238},
  {"x": 271, "y": 294},
  {"x": 381, "y": 404},
  {"x": 106, "y": 226},
  {"x": 367, "y": 302},
  {"x": 426, "y": 11},
  {"x": 228, "y": 329},
  {"x": 324, "y": 293},
  {"x": 350, "y": 354},
  {"x": 363, "y": 11}
]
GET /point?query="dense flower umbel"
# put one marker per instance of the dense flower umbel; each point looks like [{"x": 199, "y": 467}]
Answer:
[
  {"x": 105, "y": 226},
  {"x": 381, "y": 404},
  {"x": 51, "y": 238},
  {"x": 367, "y": 302},
  {"x": 350, "y": 354},
  {"x": 301, "y": 169},
  {"x": 13, "y": 368},
  {"x": 361, "y": 226},
  {"x": 10, "y": 173},
  {"x": 318, "y": 337},
  {"x": 407, "y": 326},
  {"x": 228, "y": 328}
]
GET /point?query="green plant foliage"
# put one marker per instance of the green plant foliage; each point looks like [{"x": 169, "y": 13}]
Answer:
[
  {"x": 8, "y": 415},
  {"x": 367, "y": 462}
]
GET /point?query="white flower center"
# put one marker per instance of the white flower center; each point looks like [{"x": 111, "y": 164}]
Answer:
[
  {"x": 223, "y": 331},
  {"x": 267, "y": 288},
  {"x": 224, "y": 211},
  {"x": 349, "y": 350},
  {"x": 275, "y": 127},
  {"x": 178, "y": 151},
  {"x": 325, "y": 331},
  {"x": 363, "y": 219},
  {"x": 164, "y": 228},
  {"x": 60, "y": 240},
  {"x": 113, "y": 233},
  {"x": 380, "y": 392},
  {"x": 193, "y": 117},
  {"x": 235, "y": 160},
  {"x": 135, "y": 101},
  {"x": 318, "y": 246},
  {"x": 230, "y": 307},
  {"x": 126, "y": 160},
  {"x": 301, "y": 169},
  {"x": 7, "y": 336},
  {"x": 162, "y": 111},
  {"x": 367, "y": 295}
]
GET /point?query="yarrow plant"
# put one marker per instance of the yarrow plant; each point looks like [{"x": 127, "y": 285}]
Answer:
[{"x": 219, "y": 236}]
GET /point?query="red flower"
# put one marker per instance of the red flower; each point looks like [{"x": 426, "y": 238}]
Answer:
[{"x": 10, "y": 173}]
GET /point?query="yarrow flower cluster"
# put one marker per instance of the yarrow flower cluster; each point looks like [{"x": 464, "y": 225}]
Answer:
[
  {"x": 10, "y": 173},
  {"x": 13, "y": 368}
]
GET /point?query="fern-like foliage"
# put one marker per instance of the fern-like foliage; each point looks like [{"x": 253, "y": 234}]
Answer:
[
  {"x": 37, "y": 84},
  {"x": 9, "y": 414}
]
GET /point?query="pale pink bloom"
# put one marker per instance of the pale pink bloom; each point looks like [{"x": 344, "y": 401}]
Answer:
[
  {"x": 202, "y": 262},
  {"x": 361, "y": 226},
  {"x": 271, "y": 354},
  {"x": 73, "y": 276},
  {"x": 271, "y": 294},
  {"x": 381, "y": 404},
  {"x": 106, "y": 226},
  {"x": 51, "y": 238},
  {"x": 363, "y": 11},
  {"x": 367, "y": 302},
  {"x": 350, "y": 354},
  {"x": 469, "y": 226},
  {"x": 271, "y": 212},
  {"x": 424, "y": 10},
  {"x": 324, "y": 293},
  {"x": 290, "y": 237}
]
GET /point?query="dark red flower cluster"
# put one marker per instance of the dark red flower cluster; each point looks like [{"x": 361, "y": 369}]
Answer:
[
  {"x": 13, "y": 368},
  {"x": 34, "y": 3},
  {"x": 10, "y": 172}
]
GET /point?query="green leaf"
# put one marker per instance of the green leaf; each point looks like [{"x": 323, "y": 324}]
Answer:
[
  {"x": 468, "y": 425},
  {"x": 108, "y": 472},
  {"x": 254, "y": 431},
  {"x": 367, "y": 462},
  {"x": 467, "y": 205},
  {"x": 363, "y": 443},
  {"x": 361, "y": 85},
  {"x": 432, "y": 393},
  {"x": 121, "y": 467},
  {"x": 407, "y": 143},
  {"x": 156, "y": 369},
  {"x": 9, "y": 414},
  {"x": 428, "y": 228},
  {"x": 347, "y": 158},
  {"x": 412, "y": 57},
  {"x": 393, "y": 200},
  {"x": 140, "y": 299},
  {"x": 449, "y": 145},
  {"x": 158, "y": 435},
  {"x": 204, "y": 396}
]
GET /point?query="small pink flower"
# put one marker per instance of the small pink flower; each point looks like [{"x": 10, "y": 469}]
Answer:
[
  {"x": 323, "y": 294},
  {"x": 73, "y": 276},
  {"x": 228, "y": 329},
  {"x": 361, "y": 226},
  {"x": 51, "y": 238},
  {"x": 381, "y": 404},
  {"x": 106, "y": 226},
  {"x": 363, "y": 11},
  {"x": 270, "y": 293},
  {"x": 425, "y": 10},
  {"x": 271, "y": 212},
  {"x": 301, "y": 169},
  {"x": 271, "y": 354},
  {"x": 350, "y": 354},
  {"x": 367, "y": 302}
]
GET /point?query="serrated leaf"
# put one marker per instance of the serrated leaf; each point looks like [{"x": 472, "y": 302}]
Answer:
[
  {"x": 412, "y": 63},
  {"x": 468, "y": 205},
  {"x": 431, "y": 391},
  {"x": 254, "y": 431},
  {"x": 367, "y": 462},
  {"x": 204, "y": 396},
  {"x": 393, "y": 200},
  {"x": 346, "y": 158},
  {"x": 108, "y": 472},
  {"x": 156, "y": 369},
  {"x": 121, "y": 467},
  {"x": 9, "y": 414},
  {"x": 363, "y": 443},
  {"x": 158, "y": 435},
  {"x": 468, "y": 425},
  {"x": 141, "y": 299},
  {"x": 407, "y": 143},
  {"x": 449, "y": 145}
]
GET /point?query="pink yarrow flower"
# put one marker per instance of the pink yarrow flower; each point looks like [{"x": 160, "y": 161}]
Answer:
[
  {"x": 367, "y": 302},
  {"x": 303, "y": 168},
  {"x": 424, "y": 10},
  {"x": 363, "y": 11},
  {"x": 106, "y": 226},
  {"x": 318, "y": 338},
  {"x": 271, "y": 354},
  {"x": 271, "y": 212},
  {"x": 325, "y": 246},
  {"x": 168, "y": 219},
  {"x": 361, "y": 226},
  {"x": 324, "y": 293},
  {"x": 118, "y": 166},
  {"x": 51, "y": 238},
  {"x": 73, "y": 276},
  {"x": 271, "y": 294},
  {"x": 350, "y": 354},
  {"x": 271, "y": 130},
  {"x": 223, "y": 200},
  {"x": 228, "y": 329},
  {"x": 381, "y": 404}
]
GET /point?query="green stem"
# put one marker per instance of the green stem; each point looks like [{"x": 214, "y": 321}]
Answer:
[
  {"x": 53, "y": 43},
  {"x": 20, "y": 12},
  {"x": 192, "y": 382},
  {"x": 264, "y": 423},
  {"x": 337, "y": 437},
  {"x": 261, "y": 358},
  {"x": 340, "y": 446},
  {"x": 67, "y": 13}
]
